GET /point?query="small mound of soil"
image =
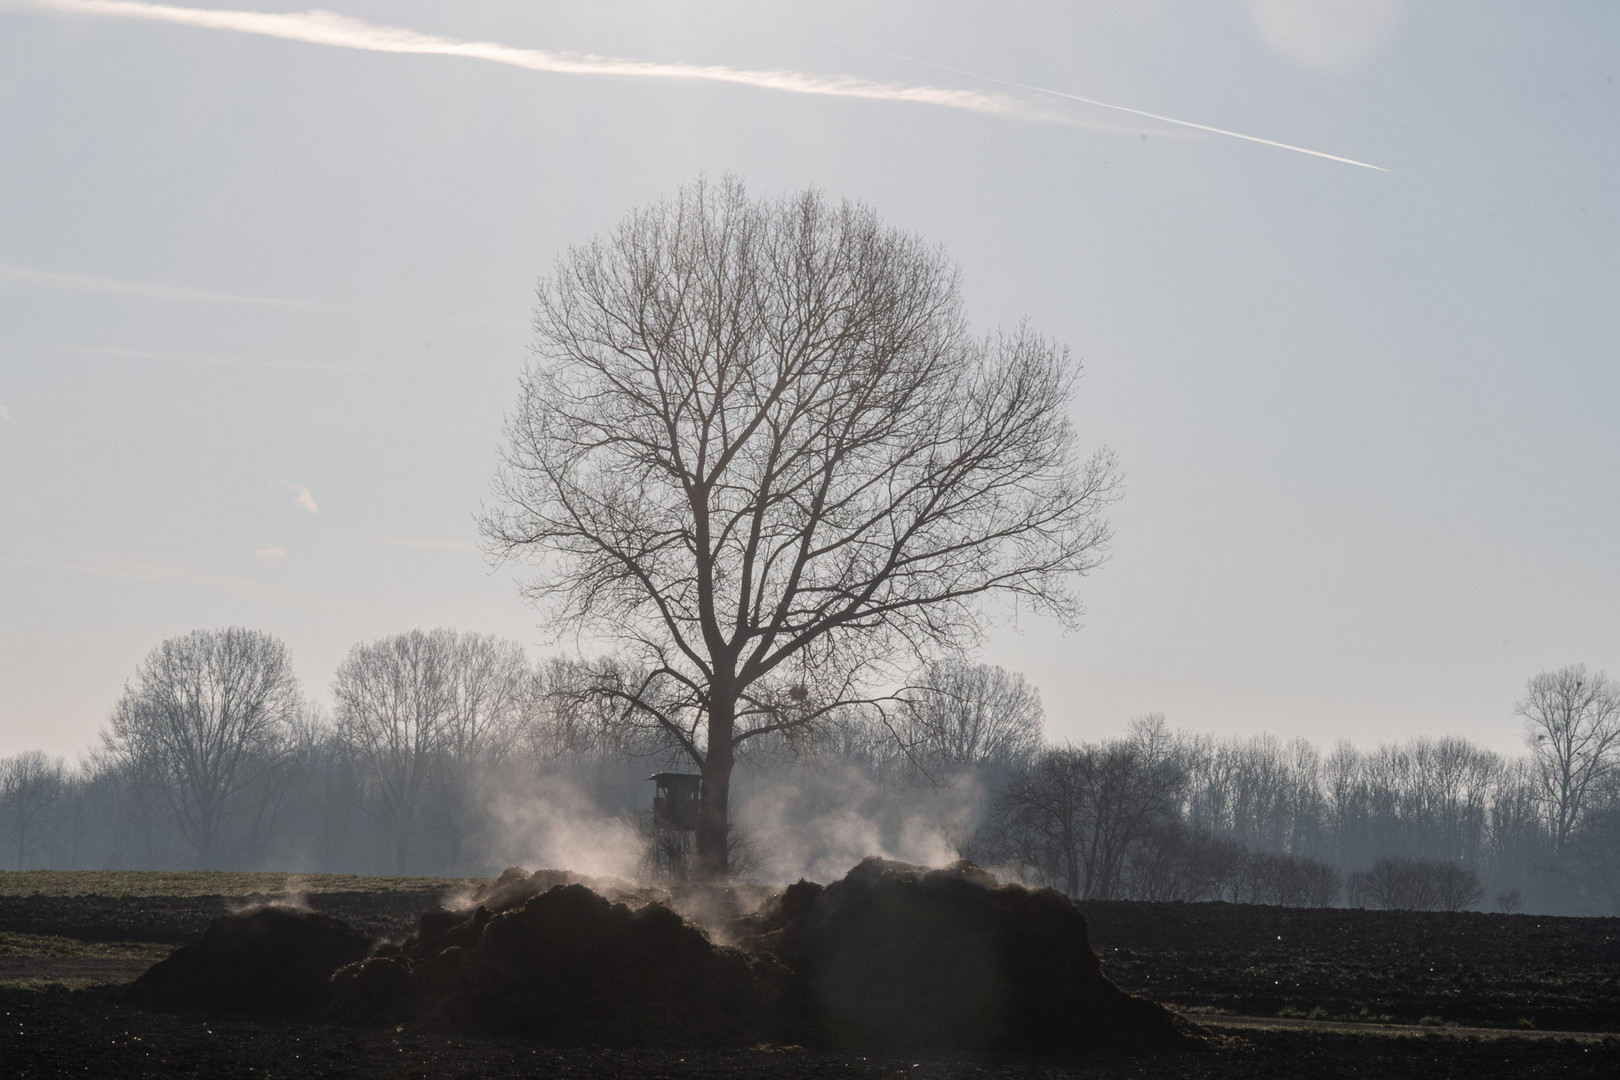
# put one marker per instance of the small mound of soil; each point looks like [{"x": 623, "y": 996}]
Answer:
[
  {"x": 707, "y": 904},
  {"x": 565, "y": 964},
  {"x": 899, "y": 957},
  {"x": 267, "y": 961}
]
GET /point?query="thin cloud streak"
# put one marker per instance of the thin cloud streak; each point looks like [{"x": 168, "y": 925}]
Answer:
[
  {"x": 169, "y": 356},
  {"x": 142, "y": 571},
  {"x": 341, "y": 31},
  {"x": 5, "y": 413},
  {"x": 1143, "y": 112},
  {"x": 26, "y": 277},
  {"x": 466, "y": 547},
  {"x": 271, "y": 553},
  {"x": 318, "y": 27}
]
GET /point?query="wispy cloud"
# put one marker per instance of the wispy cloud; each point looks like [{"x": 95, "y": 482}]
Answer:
[
  {"x": 171, "y": 356},
  {"x": 270, "y": 553},
  {"x": 28, "y": 277},
  {"x": 300, "y": 495},
  {"x": 5, "y": 412},
  {"x": 140, "y": 571},
  {"x": 466, "y": 547},
  {"x": 341, "y": 31}
]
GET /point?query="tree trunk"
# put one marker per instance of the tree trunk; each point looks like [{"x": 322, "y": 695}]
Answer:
[
  {"x": 714, "y": 805},
  {"x": 404, "y": 822}
]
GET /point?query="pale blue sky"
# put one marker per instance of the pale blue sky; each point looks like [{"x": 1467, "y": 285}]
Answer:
[{"x": 1367, "y": 418}]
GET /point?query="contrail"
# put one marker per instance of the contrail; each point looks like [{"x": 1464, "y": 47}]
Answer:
[
  {"x": 140, "y": 571},
  {"x": 172, "y": 356},
  {"x": 1140, "y": 112},
  {"x": 22, "y": 276},
  {"x": 341, "y": 31}
]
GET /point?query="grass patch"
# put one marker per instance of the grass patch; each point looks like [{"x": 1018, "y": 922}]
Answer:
[
  {"x": 65, "y": 948},
  {"x": 204, "y": 883},
  {"x": 50, "y": 982}
]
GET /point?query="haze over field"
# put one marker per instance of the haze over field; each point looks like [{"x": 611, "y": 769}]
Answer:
[{"x": 266, "y": 277}]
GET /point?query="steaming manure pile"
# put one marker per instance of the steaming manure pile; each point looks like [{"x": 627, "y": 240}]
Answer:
[{"x": 891, "y": 957}]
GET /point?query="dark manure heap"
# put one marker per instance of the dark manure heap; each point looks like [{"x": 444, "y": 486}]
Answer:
[
  {"x": 898, "y": 957},
  {"x": 891, "y": 958},
  {"x": 566, "y": 964},
  {"x": 268, "y": 961}
]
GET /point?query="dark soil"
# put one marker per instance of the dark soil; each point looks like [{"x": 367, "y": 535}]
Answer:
[
  {"x": 1467, "y": 968},
  {"x": 90, "y": 1033},
  {"x": 176, "y": 920},
  {"x": 1485, "y": 969}
]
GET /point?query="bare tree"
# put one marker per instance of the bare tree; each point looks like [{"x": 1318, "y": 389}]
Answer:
[
  {"x": 30, "y": 796},
  {"x": 972, "y": 714},
  {"x": 393, "y": 700},
  {"x": 1572, "y": 724},
  {"x": 1075, "y": 815},
  {"x": 490, "y": 684},
  {"x": 206, "y": 715},
  {"x": 759, "y": 448},
  {"x": 1415, "y": 885},
  {"x": 425, "y": 713}
]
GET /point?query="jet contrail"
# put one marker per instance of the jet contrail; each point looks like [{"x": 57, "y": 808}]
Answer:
[
  {"x": 341, "y": 31},
  {"x": 1137, "y": 112},
  {"x": 140, "y": 571},
  {"x": 22, "y": 276}
]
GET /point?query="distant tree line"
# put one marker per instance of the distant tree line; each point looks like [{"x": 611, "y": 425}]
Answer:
[{"x": 444, "y": 748}]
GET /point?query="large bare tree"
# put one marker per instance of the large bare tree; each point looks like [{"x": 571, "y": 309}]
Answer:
[
  {"x": 1572, "y": 724},
  {"x": 206, "y": 716},
  {"x": 760, "y": 448}
]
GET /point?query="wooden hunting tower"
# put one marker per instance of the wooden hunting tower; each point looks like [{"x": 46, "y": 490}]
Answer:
[{"x": 676, "y": 797}]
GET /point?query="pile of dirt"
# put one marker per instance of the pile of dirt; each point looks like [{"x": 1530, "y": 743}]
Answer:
[
  {"x": 565, "y": 963},
  {"x": 898, "y": 957},
  {"x": 266, "y": 961},
  {"x": 707, "y": 904},
  {"x": 893, "y": 957}
]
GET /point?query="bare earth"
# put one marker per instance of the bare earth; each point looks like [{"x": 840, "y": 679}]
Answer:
[{"x": 62, "y": 960}]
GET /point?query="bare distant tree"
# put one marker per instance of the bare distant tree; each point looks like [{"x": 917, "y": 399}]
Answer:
[
  {"x": 1286, "y": 880},
  {"x": 424, "y": 713},
  {"x": 1416, "y": 885},
  {"x": 206, "y": 715},
  {"x": 568, "y": 715},
  {"x": 972, "y": 714},
  {"x": 393, "y": 699},
  {"x": 760, "y": 449},
  {"x": 490, "y": 684},
  {"x": 1572, "y": 724},
  {"x": 31, "y": 786},
  {"x": 1074, "y": 816}
]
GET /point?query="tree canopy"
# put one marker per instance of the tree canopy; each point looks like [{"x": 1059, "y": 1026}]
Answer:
[{"x": 760, "y": 448}]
